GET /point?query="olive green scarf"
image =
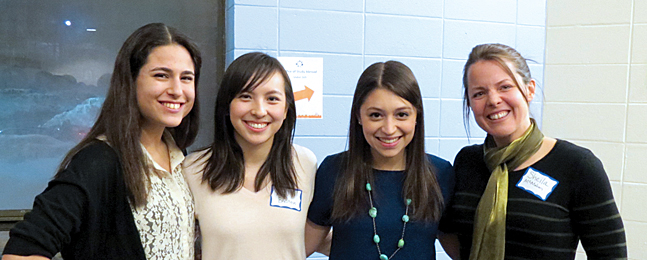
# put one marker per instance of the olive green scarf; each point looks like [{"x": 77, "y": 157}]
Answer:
[{"x": 488, "y": 242}]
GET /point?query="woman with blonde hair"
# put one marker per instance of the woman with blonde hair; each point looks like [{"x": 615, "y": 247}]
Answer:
[{"x": 520, "y": 194}]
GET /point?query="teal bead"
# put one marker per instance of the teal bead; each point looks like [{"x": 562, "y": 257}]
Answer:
[
  {"x": 401, "y": 243},
  {"x": 405, "y": 218},
  {"x": 408, "y": 202},
  {"x": 372, "y": 212},
  {"x": 384, "y": 257},
  {"x": 376, "y": 239},
  {"x": 368, "y": 187}
]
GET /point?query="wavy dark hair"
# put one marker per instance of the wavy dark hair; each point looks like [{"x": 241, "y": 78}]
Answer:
[
  {"x": 225, "y": 167},
  {"x": 501, "y": 54},
  {"x": 120, "y": 118},
  {"x": 420, "y": 183}
]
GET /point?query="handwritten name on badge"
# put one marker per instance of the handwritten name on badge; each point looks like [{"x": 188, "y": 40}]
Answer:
[
  {"x": 537, "y": 183},
  {"x": 290, "y": 202}
]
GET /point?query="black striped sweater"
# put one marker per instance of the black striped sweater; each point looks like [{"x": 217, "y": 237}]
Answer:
[{"x": 579, "y": 208}]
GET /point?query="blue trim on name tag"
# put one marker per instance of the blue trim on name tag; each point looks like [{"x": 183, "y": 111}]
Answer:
[
  {"x": 285, "y": 207},
  {"x": 530, "y": 191}
]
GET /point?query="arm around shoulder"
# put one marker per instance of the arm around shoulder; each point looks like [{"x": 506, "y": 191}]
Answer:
[
  {"x": 450, "y": 244},
  {"x": 317, "y": 238}
]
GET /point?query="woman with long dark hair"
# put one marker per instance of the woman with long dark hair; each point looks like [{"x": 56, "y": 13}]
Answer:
[
  {"x": 384, "y": 196},
  {"x": 252, "y": 186},
  {"x": 120, "y": 193}
]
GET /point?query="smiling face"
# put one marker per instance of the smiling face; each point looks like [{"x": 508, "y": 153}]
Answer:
[
  {"x": 166, "y": 87},
  {"x": 388, "y": 123},
  {"x": 499, "y": 106},
  {"x": 257, "y": 115}
]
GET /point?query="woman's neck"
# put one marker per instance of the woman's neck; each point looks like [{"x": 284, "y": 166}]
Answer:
[
  {"x": 151, "y": 139},
  {"x": 254, "y": 156},
  {"x": 396, "y": 163}
]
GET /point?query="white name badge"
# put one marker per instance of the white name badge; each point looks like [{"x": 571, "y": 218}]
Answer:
[
  {"x": 537, "y": 183},
  {"x": 290, "y": 202}
]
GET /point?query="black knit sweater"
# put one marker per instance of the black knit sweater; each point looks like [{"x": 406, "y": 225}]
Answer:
[
  {"x": 84, "y": 213},
  {"x": 581, "y": 207}
]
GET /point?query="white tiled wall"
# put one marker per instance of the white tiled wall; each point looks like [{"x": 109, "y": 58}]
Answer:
[
  {"x": 432, "y": 37},
  {"x": 596, "y": 95}
]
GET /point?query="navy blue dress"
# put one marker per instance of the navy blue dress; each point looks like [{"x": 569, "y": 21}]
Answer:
[{"x": 354, "y": 239}]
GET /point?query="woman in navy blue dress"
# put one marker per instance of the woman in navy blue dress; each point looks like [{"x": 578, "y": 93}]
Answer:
[{"x": 384, "y": 195}]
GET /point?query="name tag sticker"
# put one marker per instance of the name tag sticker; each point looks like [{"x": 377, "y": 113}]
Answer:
[
  {"x": 537, "y": 183},
  {"x": 290, "y": 202}
]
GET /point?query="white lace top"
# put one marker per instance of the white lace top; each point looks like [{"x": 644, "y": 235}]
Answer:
[{"x": 166, "y": 223}]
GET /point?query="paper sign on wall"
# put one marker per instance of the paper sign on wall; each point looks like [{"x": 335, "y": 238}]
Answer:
[{"x": 306, "y": 75}]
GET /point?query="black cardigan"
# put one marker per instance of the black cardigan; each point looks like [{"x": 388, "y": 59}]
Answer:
[{"x": 84, "y": 213}]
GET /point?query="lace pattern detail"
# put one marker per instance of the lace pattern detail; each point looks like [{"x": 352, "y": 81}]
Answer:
[{"x": 166, "y": 222}]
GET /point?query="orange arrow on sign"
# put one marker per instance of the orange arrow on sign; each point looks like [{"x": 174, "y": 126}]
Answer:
[{"x": 302, "y": 94}]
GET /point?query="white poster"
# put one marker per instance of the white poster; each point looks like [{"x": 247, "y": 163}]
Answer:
[{"x": 306, "y": 75}]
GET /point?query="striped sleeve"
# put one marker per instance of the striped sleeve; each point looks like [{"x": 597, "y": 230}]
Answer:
[{"x": 596, "y": 219}]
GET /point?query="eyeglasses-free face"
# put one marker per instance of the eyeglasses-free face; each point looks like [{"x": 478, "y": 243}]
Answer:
[
  {"x": 388, "y": 123},
  {"x": 499, "y": 106}
]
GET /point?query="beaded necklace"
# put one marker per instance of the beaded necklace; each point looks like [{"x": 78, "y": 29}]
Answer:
[{"x": 376, "y": 238}]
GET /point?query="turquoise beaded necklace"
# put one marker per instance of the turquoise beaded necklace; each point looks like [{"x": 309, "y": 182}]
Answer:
[{"x": 376, "y": 238}]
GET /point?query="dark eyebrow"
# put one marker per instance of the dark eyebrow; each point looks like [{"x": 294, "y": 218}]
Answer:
[
  {"x": 165, "y": 69},
  {"x": 170, "y": 71},
  {"x": 374, "y": 108},
  {"x": 404, "y": 108},
  {"x": 278, "y": 92}
]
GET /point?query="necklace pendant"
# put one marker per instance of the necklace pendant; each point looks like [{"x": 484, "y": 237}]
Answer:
[
  {"x": 384, "y": 257},
  {"x": 372, "y": 212},
  {"x": 376, "y": 239}
]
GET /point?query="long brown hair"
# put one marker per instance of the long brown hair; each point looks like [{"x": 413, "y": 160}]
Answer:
[
  {"x": 420, "y": 184},
  {"x": 120, "y": 118},
  {"x": 225, "y": 168}
]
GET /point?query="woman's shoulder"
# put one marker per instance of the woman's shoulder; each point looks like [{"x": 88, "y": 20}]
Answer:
[
  {"x": 197, "y": 156},
  {"x": 567, "y": 153},
  {"x": 469, "y": 154},
  {"x": 333, "y": 160},
  {"x": 305, "y": 162},
  {"x": 194, "y": 162},
  {"x": 96, "y": 151},
  {"x": 443, "y": 170},
  {"x": 96, "y": 162},
  {"x": 438, "y": 162},
  {"x": 471, "y": 150},
  {"x": 566, "y": 148},
  {"x": 304, "y": 154}
]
